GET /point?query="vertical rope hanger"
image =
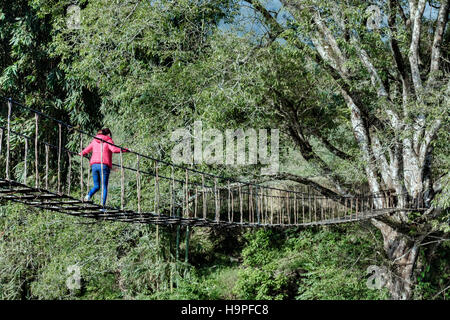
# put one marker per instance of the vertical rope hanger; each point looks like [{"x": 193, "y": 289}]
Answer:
[
  {"x": 59, "y": 156},
  {"x": 203, "y": 196},
  {"x": 88, "y": 179},
  {"x": 229, "y": 201},
  {"x": 101, "y": 173},
  {"x": 157, "y": 194},
  {"x": 138, "y": 184},
  {"x": 266, "y": 206},
  {"x": 232, "y": 206},
  {"x": 122, "y": 182},
  {"x": 36, "y": 151},
  {"x": 46, "y": 165},
  {"x": 303, "y": 208},
  {"x": 1, "y": 140},
  {"x": 271, "y": 206},
  {"x": 241, "y": 204},
  {"x": 172, "y": 191},
  {"x": 250, "y": 204},
  {"x": 69, "y": 173},
  {"x": 187, "y": 194},
  {"x": 257, "y": 209},
  {"x": 81, "y": 167},
  {"x": 25, "y": 162},
  {"x": 196, "y": 202},
  {"x": 295, "y": 209},
  {"x": 216, "y": 204},
  {"x": 8, "y": 139}
]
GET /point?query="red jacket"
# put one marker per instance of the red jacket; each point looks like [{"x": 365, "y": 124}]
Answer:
[{"x": 96, "y": 148}]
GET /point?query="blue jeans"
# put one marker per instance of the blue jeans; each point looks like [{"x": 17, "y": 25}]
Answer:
[{"x": 96, "y": 176}]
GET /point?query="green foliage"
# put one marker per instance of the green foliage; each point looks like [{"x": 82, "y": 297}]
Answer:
[
  {"x": 116, "y": 260},
  {"x": 434, "y": 277},
  {"x": 145, "y": 68},
  {"x": 218, "y": 284},
  {"x": 324, "y": 264}
]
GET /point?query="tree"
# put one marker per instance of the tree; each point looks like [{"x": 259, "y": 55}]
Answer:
[
  {"x": 395, "y": 83},
  {"x": 135, "y": 54}
]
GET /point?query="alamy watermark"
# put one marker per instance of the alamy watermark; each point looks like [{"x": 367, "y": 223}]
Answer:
[
  {"x": 73, "y": 19},
  {"x": 73, "y": 282},
  {"x": 375, "y": 18},
  {"x": 378, "y": 277},
  {"x": 207, "y": 146}
]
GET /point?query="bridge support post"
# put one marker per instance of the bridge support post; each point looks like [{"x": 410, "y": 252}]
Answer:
[
  {"x": 81, "y": 168},
  {"x": 36, "y": 150},
  {"x": 59, "y": 156},
  {"x": 257, "y": 205},
  {"x": 177, "y": 248},
  {"x": 8, "y": 138},
  {"x": 1, "y": 140},
  {"x": 186, "y": 253}
]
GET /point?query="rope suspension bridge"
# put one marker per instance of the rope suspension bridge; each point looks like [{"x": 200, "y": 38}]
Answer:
[{"x": 43, "y": 170}]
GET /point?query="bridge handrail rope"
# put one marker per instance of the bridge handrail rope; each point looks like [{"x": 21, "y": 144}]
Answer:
[
  {"x": 264, "y": 205},
  {"x": 231, "y": 179}
]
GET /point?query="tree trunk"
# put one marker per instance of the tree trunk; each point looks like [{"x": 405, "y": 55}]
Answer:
[{"x": 402, "y": 254}]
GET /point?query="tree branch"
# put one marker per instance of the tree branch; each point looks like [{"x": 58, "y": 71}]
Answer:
[
  {"x": 323, "y": 190},
  {"x": 275, "y": 29},
  {"x": 337, "y": 152},
  {"x": 416, "y": 16},
  {"x": 438, "y": 37},
  {"x": 398, "y": 58}
]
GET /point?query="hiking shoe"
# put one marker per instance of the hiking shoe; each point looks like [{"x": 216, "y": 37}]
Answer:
[{"x": 87, "y": 198}]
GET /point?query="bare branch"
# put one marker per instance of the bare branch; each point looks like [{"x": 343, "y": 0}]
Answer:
[
  {"x": 428, "y": 137},
  {"x": 416, "y": 17},
  {"x": 438, "y": 37},
  {"x": 337, "y": 152},
  {"x": 374, "y": 77},
  {"x": 362, "y": 137},
  {"x": 398, "y": 58},
  {"x": 382, "y": 161}
]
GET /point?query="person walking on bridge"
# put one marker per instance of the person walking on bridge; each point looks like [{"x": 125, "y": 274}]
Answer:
[{"x": 101, "y": 161}]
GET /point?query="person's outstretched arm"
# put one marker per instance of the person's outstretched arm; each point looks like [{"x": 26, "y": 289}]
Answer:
[
  {"x": 87, "y": 150},
  {"x": 115, "y": 149}
]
